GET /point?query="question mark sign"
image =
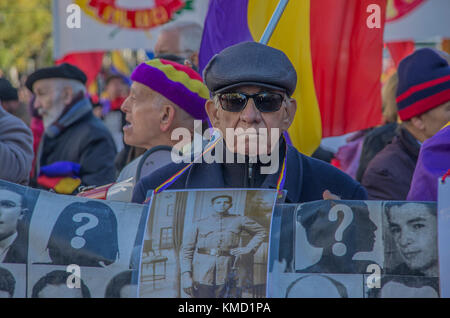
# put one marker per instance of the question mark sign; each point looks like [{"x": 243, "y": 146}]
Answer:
[
  {"x": 78, "y": 241},
  {"x": 339, "y": 249}
]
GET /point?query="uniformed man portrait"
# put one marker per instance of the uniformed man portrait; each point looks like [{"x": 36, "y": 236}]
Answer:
[{"x": 211, "y": 251}]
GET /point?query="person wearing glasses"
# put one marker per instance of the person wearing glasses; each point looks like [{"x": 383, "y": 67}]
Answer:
[
  {"x": 251, "y": 85},
  {"x": 13, "y": 249}
]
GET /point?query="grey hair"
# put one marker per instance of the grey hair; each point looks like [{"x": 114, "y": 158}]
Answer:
[
  {"x": 77, "y": 86},
  {"x": 190, "y": 34}
]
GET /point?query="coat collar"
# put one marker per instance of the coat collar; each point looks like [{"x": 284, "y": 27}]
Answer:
[{"x": 210, "y": 176}]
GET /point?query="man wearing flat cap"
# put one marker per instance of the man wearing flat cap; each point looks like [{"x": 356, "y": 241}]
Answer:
[
  {"x": 251, "y": 85},
  {"x": 73, "y": 135}
]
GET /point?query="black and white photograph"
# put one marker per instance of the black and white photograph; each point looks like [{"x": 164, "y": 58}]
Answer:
[
  {"x": 89, "y": 233},
  {"x": 338, "y": 237},
  {"x": 13, "y": 280},
  {"x": 444, "y": 237},
  {"x": 410, "y": 233},
  {"x": 51, "y": 282},
  {"x": 207, "y": 244},
  {"x": 16, "y": 207},
  {"x": 292, "y": 285},
  {"x": 405, "y": 286}
]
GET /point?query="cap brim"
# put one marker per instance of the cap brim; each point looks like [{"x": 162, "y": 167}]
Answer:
[{"x": 229, "y": 87}]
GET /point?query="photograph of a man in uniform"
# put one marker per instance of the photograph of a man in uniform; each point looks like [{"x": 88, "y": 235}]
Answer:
[{"x": 211, "y": 251}]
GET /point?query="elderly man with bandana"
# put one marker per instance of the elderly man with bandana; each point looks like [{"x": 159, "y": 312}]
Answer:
[{"x": 251, "y": 85}]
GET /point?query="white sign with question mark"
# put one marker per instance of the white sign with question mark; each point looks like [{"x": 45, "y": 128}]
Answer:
[
  {"x": 339, "y": 248},
  {"x": 78, "y": 241}
]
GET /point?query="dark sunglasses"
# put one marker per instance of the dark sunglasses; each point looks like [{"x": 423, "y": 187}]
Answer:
[{"x": 265, "y": 102}]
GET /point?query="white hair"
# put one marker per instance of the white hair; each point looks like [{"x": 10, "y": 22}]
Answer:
[
  {"x": 190, "y": 34},
  {"x": 77, "y": 86}
]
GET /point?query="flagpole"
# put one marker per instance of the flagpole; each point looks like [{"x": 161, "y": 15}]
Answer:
[{"x": 273, "y": 21}]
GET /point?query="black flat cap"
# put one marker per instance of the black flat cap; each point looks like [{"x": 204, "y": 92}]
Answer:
[
  {"x": 7, "y": 91},
  {"x": 250, "y": 63},
  {"x": 61, "y": 71}
]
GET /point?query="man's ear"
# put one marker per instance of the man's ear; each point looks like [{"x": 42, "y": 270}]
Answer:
[
  {"x": 418, "y": 123},
  {"x": 167, "y": 116},
  {"x": 22, "y": 213},
  {"x": 67, "y": 95},
  {"x": 194, "y": 58},
  {"x": 289, "y": 113},
  {"x": 212, "y": 112}
]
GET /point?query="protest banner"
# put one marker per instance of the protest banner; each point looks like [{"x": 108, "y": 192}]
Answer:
[
  {"x": 64, "y": 246},
  {"x": 444, "y": 236},
  {"x": 360, "y": 249},
  {"x": 117, "y": 24},
  {"x": 207, "y": 243}
]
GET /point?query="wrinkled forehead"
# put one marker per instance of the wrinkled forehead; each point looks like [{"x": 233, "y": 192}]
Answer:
[{"x": 10, "y": 195}]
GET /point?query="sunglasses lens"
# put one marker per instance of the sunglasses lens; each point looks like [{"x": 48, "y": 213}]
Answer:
[
  {"x": 233, "y": 102},
  {"x": 268, "y": 102}
]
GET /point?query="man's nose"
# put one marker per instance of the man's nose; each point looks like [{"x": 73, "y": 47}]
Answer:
[
  {"x": 250, "y": 113},
  {"x": 405, "y": 238},
  {"x": 36, "y": 103},
  {"x": 124, "y": 105}
]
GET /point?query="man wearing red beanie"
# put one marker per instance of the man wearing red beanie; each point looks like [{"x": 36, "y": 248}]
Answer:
[{"x": 423, "y": 99}]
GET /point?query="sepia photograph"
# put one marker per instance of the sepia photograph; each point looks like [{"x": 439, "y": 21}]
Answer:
[{"x": 207, "y": 244}]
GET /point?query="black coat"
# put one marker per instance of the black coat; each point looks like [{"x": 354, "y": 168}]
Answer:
[
  {"x": 388, "y": 176},
  {"x": 306, "y": 179},
  {"x": 86, "y": 142}
]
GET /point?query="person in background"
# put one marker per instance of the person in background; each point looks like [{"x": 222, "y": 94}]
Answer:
[
  {"x": 115, "y": 93},
  {"x": 182, "y": 39},
  {"x": 433, "y": 163},
  {"x": 376, "y": 139},
  {"x": 423, "y": 97},
  {"x": 9, "y": 99},
  {"x": 16, "y": 149},
  {"x": 76, "y": 147}
]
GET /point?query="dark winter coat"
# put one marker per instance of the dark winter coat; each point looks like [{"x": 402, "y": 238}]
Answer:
[
  {"x": 388, "y": 176},
  {"x": 306, "y": 178},
  {"x": 83, "y": 140}
]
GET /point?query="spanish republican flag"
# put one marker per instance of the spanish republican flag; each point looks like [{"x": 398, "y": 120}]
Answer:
[{"x": 337, "y": 56}]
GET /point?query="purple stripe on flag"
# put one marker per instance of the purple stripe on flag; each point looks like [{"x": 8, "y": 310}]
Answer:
[{"x": 225, "y": 25}]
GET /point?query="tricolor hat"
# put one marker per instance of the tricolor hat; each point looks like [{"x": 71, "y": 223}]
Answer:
[
  {"x": 423, "y": 83},
  {"x": 178, "y": 83}
]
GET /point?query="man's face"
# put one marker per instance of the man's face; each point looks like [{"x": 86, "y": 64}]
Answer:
[
  {"x": 60, "y": 291},
  {"x": 221, "y": 204},
  {"x": 115, "y": 88},
  {"x": 10, "y": 212},
  {"x": 251, "y": 120},
  {"x": 168, "y": 42},
  {"x": 435, "y": 119},
  {"x": 142, "y": 114},
  {"x": 47, "y": 95},
  {"x": 414, "y": 232}
]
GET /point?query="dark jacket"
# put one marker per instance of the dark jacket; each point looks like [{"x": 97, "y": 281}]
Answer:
[
  {"x": 86, "y": 141},
  {"x": 388, "y": 176},
  {"x": 373, "y": 143},
  {"x": 306, "y": 178}
]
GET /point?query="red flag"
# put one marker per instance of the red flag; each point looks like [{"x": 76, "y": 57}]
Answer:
[{"x": 89, "y": 62}]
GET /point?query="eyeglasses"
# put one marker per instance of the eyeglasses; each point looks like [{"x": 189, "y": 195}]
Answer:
[{"x": 265, "y": 102}]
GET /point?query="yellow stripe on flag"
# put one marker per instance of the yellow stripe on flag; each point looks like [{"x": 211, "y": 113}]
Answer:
[
  {"x": 119, "y": 63},
  {"x": 292, "y": 36}
]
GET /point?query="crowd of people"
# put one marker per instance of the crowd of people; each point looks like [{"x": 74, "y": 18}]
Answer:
[{"x": 65, "y": 141}]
